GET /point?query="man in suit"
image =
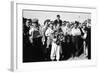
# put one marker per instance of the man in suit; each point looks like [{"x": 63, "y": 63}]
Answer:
[{"x": 58, "y": 22}]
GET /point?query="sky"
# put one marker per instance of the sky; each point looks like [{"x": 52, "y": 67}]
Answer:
[{"x": 43, "y": 15}]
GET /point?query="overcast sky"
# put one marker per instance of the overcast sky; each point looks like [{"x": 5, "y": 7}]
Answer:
[{"x": 43, "y": 15}]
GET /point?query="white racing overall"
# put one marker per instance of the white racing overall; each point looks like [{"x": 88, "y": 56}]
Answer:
[{"x": 55, "y": 51}]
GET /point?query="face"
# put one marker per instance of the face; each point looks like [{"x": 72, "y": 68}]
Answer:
[
  {"x": 83, "y": 27},
  {"x": 27, "y": 23},
  {"x": 49, "y": 23},
  {"x": 34, "y": 24},
  {"x": 63, "y": 23},
  {"x": 50, "y": 26},
  {"x": 88, "y": 25},
  {"x": 67, "y": 23},
  {"x": 58, "y": 18},
  {"x": 75, "y": 25}
]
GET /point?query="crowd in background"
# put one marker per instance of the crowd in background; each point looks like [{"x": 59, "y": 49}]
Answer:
[{"x": 56, "y": 40}]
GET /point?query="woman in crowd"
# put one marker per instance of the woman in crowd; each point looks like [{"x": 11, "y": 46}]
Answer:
[
  {"x": 48, "y": 34},
  {"x": 46, "y": 39}
]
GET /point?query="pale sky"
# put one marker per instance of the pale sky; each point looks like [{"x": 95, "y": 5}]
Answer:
[{"x": 43, "y": 15}]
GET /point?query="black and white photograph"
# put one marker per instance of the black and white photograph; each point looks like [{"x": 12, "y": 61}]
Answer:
[{"x": 50, "y": 35}]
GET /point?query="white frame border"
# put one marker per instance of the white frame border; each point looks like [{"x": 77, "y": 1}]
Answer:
[{"x": 16, "y": 64}]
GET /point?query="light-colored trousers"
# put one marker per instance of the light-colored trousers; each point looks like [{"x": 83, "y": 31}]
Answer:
[{"x": 55, "y": 51}]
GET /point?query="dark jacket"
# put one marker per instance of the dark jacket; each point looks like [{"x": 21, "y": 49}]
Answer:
[{"x": 58, "y": 22}]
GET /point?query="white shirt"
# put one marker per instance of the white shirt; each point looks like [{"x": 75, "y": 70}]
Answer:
[
  {"x": 64, "y": 29},
  {"x": 48, "y": 32},
  {"x": 75, "y": 32}
]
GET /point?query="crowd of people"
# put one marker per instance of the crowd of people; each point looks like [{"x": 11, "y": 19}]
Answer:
[{"x": 55, "y": 40}]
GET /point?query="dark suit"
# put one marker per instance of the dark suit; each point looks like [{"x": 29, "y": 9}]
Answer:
[
  {"x": 88, "y": 42},
  {"x": 58, "y": 22}
]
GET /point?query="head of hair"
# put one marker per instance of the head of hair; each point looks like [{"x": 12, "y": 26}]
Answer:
[
  {"x": 24, "y": 20},
  {"x": 58, "y": 15},
  {"x": 77, "y": 23},
  {"x": 46, "y": 21}
]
